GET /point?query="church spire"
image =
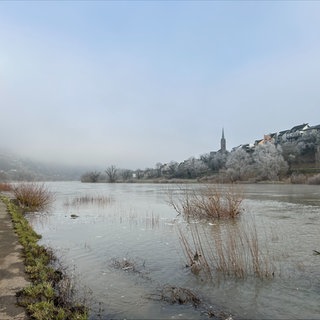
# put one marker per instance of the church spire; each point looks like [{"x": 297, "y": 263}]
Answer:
[{"x": 223, "y": 147}]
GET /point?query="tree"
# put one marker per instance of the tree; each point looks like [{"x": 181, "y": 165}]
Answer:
[
  {"x": 239, "y": 165},
  {"x": 214, "y": 160},
  {"x": 92, "y": 176},
  {"x": 139, "y": 174},
  {"x": 191, "y": 168},
  {"x": 126, "y": 174},
  {"x": 111, "y": 173},
  {"x": 268, "y": 162},
  {"x": 158, "y": 168}
]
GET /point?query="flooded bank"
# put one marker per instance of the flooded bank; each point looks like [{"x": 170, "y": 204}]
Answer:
[{"x": 121, "y": 241}]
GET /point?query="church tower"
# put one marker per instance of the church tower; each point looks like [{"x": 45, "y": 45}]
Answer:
[{"x": 223, "y": 147}]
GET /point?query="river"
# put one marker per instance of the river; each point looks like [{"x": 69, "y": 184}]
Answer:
[{"x": 121, "y": 244}]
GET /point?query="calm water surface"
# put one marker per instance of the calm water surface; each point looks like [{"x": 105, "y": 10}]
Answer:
[{"x": 136, "y": 223}]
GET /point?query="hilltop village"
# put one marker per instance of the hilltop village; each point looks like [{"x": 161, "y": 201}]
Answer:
[{"x": 291, "y": 155}]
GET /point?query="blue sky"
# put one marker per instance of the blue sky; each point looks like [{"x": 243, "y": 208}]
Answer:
[{"x": 133, "y": 83}]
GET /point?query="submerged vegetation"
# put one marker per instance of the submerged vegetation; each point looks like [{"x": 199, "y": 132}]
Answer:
[
  {"x": 174, "y": 294},
  {"x": 228, "y": 246},
  {"x": 89, "y": 200},
  {"x": 33, "y": 196},
  {"x": 50, "y": 294},
  {"x": 210, "y": 202}
]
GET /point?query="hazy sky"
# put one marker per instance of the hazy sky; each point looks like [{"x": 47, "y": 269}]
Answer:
[{"x": 140, "y": 82}]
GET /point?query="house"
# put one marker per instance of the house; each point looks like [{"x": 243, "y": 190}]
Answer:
[{"x": 293, "y": 134}]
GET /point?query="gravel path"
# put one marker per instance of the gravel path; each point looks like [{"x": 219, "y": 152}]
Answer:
[{"x": 12, "y": 275}]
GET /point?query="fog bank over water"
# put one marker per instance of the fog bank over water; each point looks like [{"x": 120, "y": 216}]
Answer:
[{"x": 100, "y": 83}]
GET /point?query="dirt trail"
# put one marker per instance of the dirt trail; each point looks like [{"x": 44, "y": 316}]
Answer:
[{"x": 12, "y": 275}]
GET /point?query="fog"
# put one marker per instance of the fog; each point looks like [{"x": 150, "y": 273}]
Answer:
[{"x": 102, "y": 83}]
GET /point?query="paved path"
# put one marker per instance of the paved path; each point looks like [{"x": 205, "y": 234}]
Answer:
[{"x": 12, "y": 276}]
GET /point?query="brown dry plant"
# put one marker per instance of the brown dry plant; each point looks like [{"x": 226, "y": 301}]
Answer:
[
  {"x": 33, "y": 196},
  {"x": 229, "y": 248},
  {"x": 99, "y": 200},
  {"x": 208, "y": 202},
  {"x": 6, "y": 187}
]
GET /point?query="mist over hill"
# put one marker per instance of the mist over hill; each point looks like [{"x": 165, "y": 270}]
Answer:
[{"x": 14, "y": 167}]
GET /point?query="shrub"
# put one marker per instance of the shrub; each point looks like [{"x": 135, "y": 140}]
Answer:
[
  {"x": 33, "y": 196},
  {"x": 314, "y": 180},
  {"x": 298, "y": 178},
  {"x": 211, "y": 202},
  {"x": 5, "y": 187}
]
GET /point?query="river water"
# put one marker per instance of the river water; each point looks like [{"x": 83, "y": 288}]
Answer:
[{"x": 125, "y": 248}]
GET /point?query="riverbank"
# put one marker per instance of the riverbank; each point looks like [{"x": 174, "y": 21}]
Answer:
[
  {"x": 48, "y": 293},
  {"x": 12, "y": 274}
]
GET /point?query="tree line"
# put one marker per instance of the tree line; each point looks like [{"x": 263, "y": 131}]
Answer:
[{"x": 267, "y": 161}]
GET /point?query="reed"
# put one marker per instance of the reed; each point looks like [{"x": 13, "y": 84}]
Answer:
[
  {"x": 229, "y": 248},
  {"x": 89, "y": 200},
  {"x": 33, "y": 196},
  {"x": 6, "y": 187},
  {"x": 209, "y": 202}
]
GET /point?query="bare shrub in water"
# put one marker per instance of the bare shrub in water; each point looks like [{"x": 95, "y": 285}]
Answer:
[
  {"x": 124, "y": 264},
  {"x": 173, "y": 294},
  {"x": 33, "y": 196},
  {"x": 210, "y": 202},
  {"x": 229, "y": 248}
]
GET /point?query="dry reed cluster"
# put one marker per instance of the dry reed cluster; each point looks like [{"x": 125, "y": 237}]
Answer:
[
  {"x": 209, "y": 202},
  {"x": 231, "y": 248},
  {"x": 89, "y": 200},
  {"x": 7, "y": 187},
  {"x": 33, "y": 196}
]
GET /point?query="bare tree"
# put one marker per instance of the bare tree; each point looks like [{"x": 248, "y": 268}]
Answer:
[
  {"x": 92, "y": 176},
  {"x": 111, "y": 173},
  {"x": 126, "y": 174},
  {"x": 139, "y": 174}
]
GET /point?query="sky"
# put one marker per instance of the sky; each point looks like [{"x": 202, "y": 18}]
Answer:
[{"x": 134, "y": 83}]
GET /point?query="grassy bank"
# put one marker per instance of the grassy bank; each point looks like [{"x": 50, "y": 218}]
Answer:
[{"x": 49, "y": 296}]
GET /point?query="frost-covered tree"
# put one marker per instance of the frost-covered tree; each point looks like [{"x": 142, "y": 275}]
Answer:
[
  {"x": 191, "y": 168},
  {"x": 239, "y": 165},
  {"x": 269, "y": 163},
  {"x": 214, "y": 160}
]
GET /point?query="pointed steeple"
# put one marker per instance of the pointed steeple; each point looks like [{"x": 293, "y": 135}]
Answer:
[{"x": 223, "y": 147}]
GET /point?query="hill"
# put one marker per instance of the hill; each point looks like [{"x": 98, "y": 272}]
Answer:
[{"x": 17, "y": 168}]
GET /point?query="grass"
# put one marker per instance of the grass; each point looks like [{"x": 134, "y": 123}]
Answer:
[
  {"x": 33, "y": 196},
  {"x": 43, "y": 298},
  {"x": 210, "y": 202},
  {"x": 229, "y": 248}
]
